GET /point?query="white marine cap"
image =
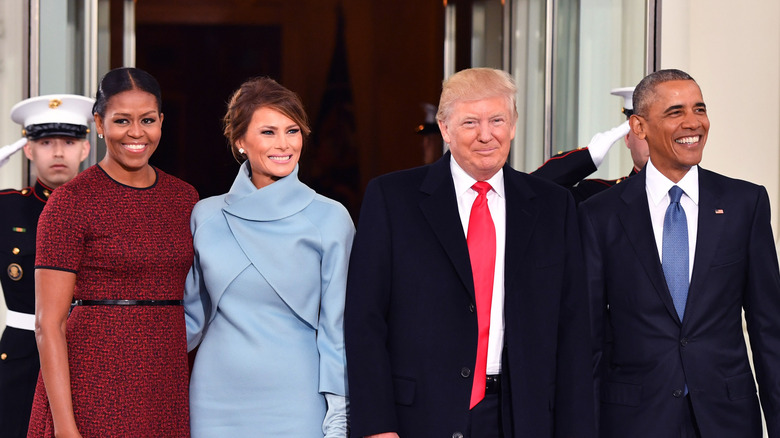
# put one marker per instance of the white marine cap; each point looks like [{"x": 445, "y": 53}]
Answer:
[
  {"x": 627, "y": 93},
  {"x": 65, "y": 115}
]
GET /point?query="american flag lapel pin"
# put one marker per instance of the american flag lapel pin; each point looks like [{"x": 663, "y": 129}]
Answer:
[{"x": 718, "y": 211}]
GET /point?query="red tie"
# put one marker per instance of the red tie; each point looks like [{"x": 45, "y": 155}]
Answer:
[{"x": 482, "y": 252}]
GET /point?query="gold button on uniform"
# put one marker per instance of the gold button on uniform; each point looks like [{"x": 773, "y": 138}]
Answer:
[
  {"x": 15, "y": 251},
  {"x": 15, "y": 271},
  {"x": 3, "y": 356}
]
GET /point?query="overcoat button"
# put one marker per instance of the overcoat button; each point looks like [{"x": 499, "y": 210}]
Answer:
[
  {"x": 677, "y": 393},
  {"x": 457, "y": 435},
  {"x": 471, "y": 308},
  {"x": 465, "y": 372},
  {"x": 684, "y": 342}
]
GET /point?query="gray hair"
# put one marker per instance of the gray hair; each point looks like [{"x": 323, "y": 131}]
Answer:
[{"x": 644, "y": 93}]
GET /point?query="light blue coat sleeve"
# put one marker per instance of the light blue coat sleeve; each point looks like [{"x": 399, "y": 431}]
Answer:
[
  {"x": 197, "y": 303},
  {"x": 337, "y": 235}
]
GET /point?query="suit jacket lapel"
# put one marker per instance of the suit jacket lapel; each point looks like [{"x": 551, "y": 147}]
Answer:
[
  {"x": 635, "y": 219},
  {"x": 440, "y": 209},
  {"x": 521, "y": 216},
  {"x": 710, "y": 228}
]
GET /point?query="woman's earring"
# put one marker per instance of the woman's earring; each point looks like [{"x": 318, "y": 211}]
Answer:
[
  {"x": 100, "y": 135},
  {"x": 241, "y": 151}
]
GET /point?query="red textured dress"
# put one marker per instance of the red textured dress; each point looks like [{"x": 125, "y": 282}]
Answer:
[{"x": 128, "y": 364}]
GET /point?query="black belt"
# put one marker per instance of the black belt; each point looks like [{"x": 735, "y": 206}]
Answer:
[
  {"x": 128, "y": 302},
  {"x": 492, "y": 384}
]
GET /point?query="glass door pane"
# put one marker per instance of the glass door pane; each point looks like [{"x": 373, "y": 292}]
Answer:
[
  {"x": 566, "y": 56},
  {"x": 528, "y": 61},
  {"x": 487, "y": 17},
  {"x": 612, "y": 52},
  {"x": 61, "y": 54},
  {"x": 72, "y": 52}
]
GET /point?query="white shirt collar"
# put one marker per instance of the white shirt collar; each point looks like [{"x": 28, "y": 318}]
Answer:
[
  {"x": 463, "y": 181},
  {"x": 658, "y": 185}
]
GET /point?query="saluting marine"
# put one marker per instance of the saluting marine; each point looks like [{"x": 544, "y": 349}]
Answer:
[
  {"x": 570, "y": 168},
  {"x": 55, "y": 128}
]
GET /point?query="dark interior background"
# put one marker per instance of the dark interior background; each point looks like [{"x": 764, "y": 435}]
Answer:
[{"x": 362, "y": 68}]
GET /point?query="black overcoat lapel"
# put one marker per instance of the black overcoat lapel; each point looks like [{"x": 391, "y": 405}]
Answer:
[{"x": 440, "y": 209}]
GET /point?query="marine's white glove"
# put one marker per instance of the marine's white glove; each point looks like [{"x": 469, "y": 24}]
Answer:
[
  {"x": 600, "y": 143},
  {"x": 7, "y": 151}
]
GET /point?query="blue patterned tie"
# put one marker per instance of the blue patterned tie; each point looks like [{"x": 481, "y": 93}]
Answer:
[{"x": 675, "y": 251}]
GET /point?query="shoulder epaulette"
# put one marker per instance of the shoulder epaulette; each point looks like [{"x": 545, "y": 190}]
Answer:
[{"x": 27, "y": 191}]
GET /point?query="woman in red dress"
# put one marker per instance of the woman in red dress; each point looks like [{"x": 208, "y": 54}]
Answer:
[{"x": 115, "y": 241}]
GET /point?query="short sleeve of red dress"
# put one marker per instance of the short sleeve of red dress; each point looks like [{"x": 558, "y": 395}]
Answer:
[{"x": 61, "y": 230}]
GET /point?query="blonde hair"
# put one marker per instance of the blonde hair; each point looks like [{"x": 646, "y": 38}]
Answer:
[{"x": 476, "y": 84}]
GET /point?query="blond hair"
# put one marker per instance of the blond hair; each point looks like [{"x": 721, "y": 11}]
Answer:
[{"x": 476, "y": 84}]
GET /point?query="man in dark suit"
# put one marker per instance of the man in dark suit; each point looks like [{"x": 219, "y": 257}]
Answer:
[
  {"x": 450, "y": 334},
  {"x": 674, "y": 255}
]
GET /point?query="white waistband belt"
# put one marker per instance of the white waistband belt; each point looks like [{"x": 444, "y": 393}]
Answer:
[{"x": 24, "y": 321}]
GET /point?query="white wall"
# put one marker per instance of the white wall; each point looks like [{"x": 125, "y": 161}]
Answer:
[{"x": 732, "y": 49}]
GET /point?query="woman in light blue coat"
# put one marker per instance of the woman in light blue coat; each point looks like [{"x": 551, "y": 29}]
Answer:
[{"x": 265, "y": 296}]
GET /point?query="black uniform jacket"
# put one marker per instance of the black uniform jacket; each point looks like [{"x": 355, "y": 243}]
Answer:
[
  {"x": 19, "y": 363},
  {"x": 570, "y": 169}
]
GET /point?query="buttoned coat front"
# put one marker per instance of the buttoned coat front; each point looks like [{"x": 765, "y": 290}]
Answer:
[{"x": 19, "y": 362}]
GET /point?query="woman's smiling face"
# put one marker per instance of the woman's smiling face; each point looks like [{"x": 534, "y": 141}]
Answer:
[
  {"x": 272, "y": 144},
  {"x": 132, "y": 128}
]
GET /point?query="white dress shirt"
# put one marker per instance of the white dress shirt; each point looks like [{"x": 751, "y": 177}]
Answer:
[
  {"x": 657, "y": 186},
  {"x": 466, "y": 196}
]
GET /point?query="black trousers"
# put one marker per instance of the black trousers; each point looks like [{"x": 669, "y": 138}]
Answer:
[
  {"x": 485, "y": 418},
  {"x": 688, "y": 426}
]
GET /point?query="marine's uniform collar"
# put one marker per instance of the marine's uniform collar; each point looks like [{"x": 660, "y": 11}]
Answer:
[{"x": 42, "y": 191}]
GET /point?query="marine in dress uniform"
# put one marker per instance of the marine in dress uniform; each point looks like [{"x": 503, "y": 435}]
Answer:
[
  {"x": 55, "y": 128},
  {"x": 432, "y": 143},
  {"x": 571, "y": 168}
]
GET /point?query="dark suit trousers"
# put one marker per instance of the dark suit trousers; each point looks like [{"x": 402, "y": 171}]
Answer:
[
  {"x": 485, "y": 418},
  {"x": 688, "y": 426}
]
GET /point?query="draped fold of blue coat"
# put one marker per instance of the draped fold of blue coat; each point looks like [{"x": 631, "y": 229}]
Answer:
[{"x": 297, "y": 240}]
